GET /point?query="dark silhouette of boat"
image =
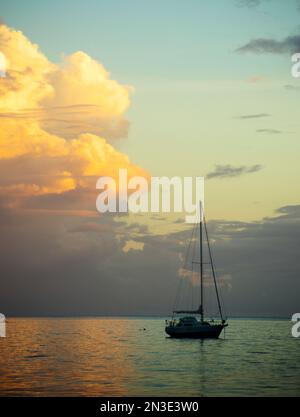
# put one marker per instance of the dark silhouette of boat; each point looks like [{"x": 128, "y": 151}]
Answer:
[{"x": 189, "y": 326}]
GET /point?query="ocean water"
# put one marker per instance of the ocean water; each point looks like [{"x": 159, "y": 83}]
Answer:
[{"x": 134, "y": 357}]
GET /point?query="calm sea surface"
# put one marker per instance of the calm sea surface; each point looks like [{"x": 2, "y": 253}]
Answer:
[{"x": 103, "y": 356}]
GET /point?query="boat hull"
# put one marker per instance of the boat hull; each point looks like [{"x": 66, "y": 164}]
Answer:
[{"x": 196, "y": 332}]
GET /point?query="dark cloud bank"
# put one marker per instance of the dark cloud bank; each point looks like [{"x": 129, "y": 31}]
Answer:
[{"x": 60, "y": 266}]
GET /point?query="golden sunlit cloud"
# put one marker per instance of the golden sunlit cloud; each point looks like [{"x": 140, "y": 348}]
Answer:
[
  {"x": 2, "y": 65},
  {"x": 133, "y": 245},
  {"x": 52, "y": 119}
]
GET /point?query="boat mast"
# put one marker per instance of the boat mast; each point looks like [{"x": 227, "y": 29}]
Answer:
[{"x": 201, "y": 264}]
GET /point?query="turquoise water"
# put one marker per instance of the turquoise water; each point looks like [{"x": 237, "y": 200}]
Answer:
[{"x": 133, "y": 356}]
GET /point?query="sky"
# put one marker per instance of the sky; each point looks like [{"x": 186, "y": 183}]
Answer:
[{"x": 162, "y": 89}]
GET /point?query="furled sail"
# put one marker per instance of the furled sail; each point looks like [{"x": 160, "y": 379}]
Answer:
[{"x": 198, "y": 311}]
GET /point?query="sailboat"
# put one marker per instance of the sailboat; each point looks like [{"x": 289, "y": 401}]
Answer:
[{"x": 192, "y": 323}]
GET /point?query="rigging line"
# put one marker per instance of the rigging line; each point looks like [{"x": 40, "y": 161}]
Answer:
[
  {"x": 201, "y": 263},
  {"x": 224, "y": 306},
  {"x": 199, "y": 277},
  {"x": 179, "y": 285},
  {"x": 213, "y": 269},
  {"x": 192, "y": 280},
  {"x": 186, "y": 298}
]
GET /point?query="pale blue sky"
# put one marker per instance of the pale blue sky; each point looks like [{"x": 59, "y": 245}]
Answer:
[{"x": 138, "y": 40}]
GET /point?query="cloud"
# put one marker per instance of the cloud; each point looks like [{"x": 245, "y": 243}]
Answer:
[
  {"x": 229, "y": 171},
  {"x": 77, "y": 96},
  {"x": 180, "y": 220},
  {"x": 90, "y": 274},
  {"x": 270, "y": 131},
  {"x": 255, "y": 79},
  {"x": 58, "y": 124},
  {"x": 290, "y": 87},
  {"x": 133, "y": 245},
  {"x": 253, "y": 116},
  {"x": 273, "y": 278},
  {"x": 287, "y": 213},
  {"x": 85, "y": 99},
  {"x": 248, "y": 3},
  {"x": 289, "y": 44},
  {"x": 158, "y": 218},
  {"x": 26, "y": 83},
  {"x": 2, "y": 65},
  {"x": 92, "y": 227},
  {"x": 71, "y": 120}
]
